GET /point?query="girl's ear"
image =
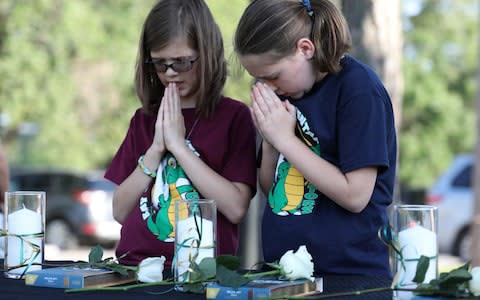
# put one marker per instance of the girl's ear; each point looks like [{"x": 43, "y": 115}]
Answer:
[{"x": 306, "y": 47}]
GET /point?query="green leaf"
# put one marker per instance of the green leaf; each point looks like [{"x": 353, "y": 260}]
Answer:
[
  {"x": 227, "y": 277},
  {"x": 465, "y": 267},
  {"x": 448, "y": 284},
  {"x": 422, "y": 267},
  {"x": 208, "y": 267},
  {"x": 195, "y": 274},
  {"x": 228, "y": 261},
  {"x": 95, "y": 255},
  {"x": 455, "y": 277}
]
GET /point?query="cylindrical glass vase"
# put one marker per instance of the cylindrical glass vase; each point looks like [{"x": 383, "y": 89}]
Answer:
[
  {"x": 195, "y": 237},
  {"x": 24, "y": 223},
  {"x": 416, "y": 230}
]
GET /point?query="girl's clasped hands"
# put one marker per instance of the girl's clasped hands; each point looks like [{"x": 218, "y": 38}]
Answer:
[
  {"x": 275, "y": 119},
  {"x": 170, "y": 126}
]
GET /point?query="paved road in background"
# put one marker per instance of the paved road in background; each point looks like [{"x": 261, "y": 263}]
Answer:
[{"x": 81, "y": 253}]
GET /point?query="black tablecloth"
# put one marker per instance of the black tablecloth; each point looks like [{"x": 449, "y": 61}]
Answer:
[{"x": 16, "y": 289}]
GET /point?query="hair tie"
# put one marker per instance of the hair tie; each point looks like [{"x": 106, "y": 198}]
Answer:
[{"x": 308, "y": 7}]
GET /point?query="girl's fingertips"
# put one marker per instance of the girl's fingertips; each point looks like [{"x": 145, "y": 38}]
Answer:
[{"x": 256, "y": 91}]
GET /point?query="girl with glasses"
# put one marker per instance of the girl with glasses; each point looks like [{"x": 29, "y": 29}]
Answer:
[
  {"x": 329, "y": 145},
  {"x": 187, "y": 141}
]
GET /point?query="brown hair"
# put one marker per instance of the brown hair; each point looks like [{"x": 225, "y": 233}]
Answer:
[
  {"x": 273, "y": 27},
  {"x": 192, "y": 19}
]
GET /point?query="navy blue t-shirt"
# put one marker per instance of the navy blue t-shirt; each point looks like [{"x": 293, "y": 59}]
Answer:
[{"x": 347, "y": 119}]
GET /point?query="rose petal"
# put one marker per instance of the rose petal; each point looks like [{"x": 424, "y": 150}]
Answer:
[
  {"x": 474, "y": 283},
  {"x": 297, "y": 265},
  {"x": 151, "y": 269}
]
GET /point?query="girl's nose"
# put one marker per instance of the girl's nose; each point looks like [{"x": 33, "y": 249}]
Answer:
[{"x": 170, "y": 72}]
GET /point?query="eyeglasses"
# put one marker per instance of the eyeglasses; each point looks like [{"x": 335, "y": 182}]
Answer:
[{"x": 183, "y": 65}]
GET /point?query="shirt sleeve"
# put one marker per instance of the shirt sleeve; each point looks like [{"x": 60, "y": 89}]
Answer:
[
  {"x": 125, "y": 160},
  {"x": 241, "y": 162},
  {"x": 362, "y": 131}
]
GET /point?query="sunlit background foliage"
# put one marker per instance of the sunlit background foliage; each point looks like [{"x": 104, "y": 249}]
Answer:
[{"x": 66, "y": 80}]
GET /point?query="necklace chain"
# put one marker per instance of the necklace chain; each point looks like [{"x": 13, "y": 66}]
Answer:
[{"x": 191, "y": 129}]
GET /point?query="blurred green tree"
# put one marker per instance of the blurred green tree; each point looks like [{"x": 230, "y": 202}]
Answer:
[
  {"x": 68, "y": 67},
  {"x": 438, "y": 104}
]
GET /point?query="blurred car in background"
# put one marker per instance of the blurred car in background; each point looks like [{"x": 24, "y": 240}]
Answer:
[
  {"x": 453, "y": 194},
  {"x": 78, "y": 205}
]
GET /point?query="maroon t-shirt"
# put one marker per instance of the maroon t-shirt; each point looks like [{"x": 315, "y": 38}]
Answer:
[{"x": 225, "y": 142}]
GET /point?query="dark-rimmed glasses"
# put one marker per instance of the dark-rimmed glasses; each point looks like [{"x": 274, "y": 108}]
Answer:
[{"x": 182, "y": 65}]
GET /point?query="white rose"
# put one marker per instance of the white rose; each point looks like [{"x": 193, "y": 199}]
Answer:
[
  {"x": 151, "y": 269},
  {"x": 474, "y": 283},
  {"x": 297, "y": 265}
]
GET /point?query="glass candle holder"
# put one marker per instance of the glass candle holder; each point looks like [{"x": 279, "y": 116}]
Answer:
[
  {"x": 416, "y": 230},
  {"x": 24, "y": 224},
  {"x": 195, "y": 237}
]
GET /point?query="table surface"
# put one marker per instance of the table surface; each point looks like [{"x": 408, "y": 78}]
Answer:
[{"x": 16, "y": 289}]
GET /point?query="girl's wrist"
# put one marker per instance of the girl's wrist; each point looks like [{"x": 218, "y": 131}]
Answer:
[
  {"x": 152, "y": 157},
  {"x": 151, "y": 172},
  {"x": 156, "y": 149},
  {"x": 284, "y": 143},
  {"x": 178, "y": 149},
  {"x": 267, "y": 147}
]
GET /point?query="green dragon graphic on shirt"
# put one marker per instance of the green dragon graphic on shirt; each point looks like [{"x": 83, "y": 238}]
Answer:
[
  {"x": 291, "y": 193},
  {"x": 175, "y": 186}
]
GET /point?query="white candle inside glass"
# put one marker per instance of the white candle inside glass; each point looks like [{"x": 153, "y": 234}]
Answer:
[
  {"x": 188, "y": 242},
  {"x": 416, "y": 241},
  {"x": 23, "y": 222}
]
